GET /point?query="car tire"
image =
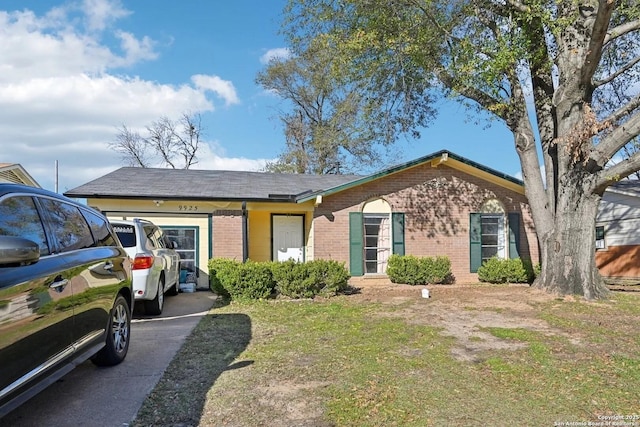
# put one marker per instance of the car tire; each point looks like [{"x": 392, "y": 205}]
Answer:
[
  {"x": 118, "y": 333},
  {"x": 174, "y": 289},
  {"x": 154, "y": 307}
]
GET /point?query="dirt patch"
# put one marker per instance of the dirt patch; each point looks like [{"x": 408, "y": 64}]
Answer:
[
  {"x": 295, "y": 402},
  {"x": 464, "y": 312}
]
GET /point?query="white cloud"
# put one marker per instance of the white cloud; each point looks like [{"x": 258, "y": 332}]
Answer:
[
  {"x": 135, "y": 50},
  {"x": 223, "y": 88},
  {"x": 277, "y": 53},
  {"x": 60, "y": 98},
  {"x": 208, "y": 159},
  {"x": 102, "y": 13}
]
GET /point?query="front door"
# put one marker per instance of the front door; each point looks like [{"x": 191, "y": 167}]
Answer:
[{"x": 288, "y": 237}]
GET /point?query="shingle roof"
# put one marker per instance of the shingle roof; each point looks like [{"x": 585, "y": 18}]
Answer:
[{"x": 191, "y": 184}]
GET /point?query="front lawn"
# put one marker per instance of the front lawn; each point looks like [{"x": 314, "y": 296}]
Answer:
[{"x": 469, "y": 356}]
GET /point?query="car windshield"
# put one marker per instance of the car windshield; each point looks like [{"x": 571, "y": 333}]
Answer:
[{"x": 126, "y": 234}]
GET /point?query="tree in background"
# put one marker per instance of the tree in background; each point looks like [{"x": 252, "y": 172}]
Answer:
[
  {"x": 167, "y": 143},
  {"x": 562, "y": 75},
  {"x": 331, "y": 127}
]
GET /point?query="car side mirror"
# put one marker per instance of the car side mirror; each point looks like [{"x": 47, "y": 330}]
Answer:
[{"x": 17, "y": 250}]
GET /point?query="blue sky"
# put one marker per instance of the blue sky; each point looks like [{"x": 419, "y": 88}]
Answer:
[{"x": 71, "y": 73}]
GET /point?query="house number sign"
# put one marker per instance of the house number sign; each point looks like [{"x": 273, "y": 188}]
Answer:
[{"x": 187, "y": 208}]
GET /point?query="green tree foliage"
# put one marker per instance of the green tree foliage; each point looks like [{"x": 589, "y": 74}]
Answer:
[
  {"x": 562, "y": 75},
  {"x": 330, "y": 127}
]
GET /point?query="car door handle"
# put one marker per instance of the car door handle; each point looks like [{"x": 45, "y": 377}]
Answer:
[
  {"x": 59, "y": 284},
  {"x": 108, "y": 265}
]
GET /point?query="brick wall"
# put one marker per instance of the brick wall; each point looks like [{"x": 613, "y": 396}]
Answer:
[
  {"x": 227, "y": 234},
  {"x": 436, "y": 203}
]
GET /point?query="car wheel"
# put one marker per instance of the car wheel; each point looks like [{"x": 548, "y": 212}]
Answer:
[
  {"x": 174, "y": 289},
  {"x": 117, "y": 341},
  {"x": 154, "y": 307}
]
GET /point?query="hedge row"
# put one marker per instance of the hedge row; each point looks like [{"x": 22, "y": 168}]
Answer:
[
  {"x": 256, "y": 280},
  {"x": 412, "y": 270},
  {"x": 498, "y": 270}
]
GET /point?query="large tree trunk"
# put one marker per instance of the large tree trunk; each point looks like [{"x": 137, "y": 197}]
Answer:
[{"x": 567, "y": 250}]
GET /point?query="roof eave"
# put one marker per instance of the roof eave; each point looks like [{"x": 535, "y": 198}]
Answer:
[{"x": 441, "y": 156}]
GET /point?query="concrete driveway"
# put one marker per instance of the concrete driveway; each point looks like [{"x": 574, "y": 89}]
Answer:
[{"x": 111, "y": 397}]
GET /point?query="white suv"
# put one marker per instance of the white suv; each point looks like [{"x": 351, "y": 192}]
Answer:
[{"x": 155, "y": 264}]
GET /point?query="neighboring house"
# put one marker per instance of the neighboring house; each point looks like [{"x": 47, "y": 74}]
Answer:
[
  {"x": 13, "y": 172},
  {"x": 440, "y": 204},
  {"x": 617, "y": 237}
]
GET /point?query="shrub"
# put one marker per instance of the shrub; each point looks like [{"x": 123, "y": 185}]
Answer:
[
  {"x": 221, "y": 271},
  {"x": 412, "y": 270},
  {"x": 330, "y": 277},
  {"x": 306, "y": 280},
  {"x": 255, "y": 281},
  {"x": 497, "y": 270},
  {"x": 404, "y": 269},
  {"x": 250, "y": 280},
  {"x": 292, "y": 279},
  {"x": 436, "y": 270}
]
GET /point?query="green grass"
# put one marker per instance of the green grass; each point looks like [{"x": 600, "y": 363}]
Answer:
[{"x": 345, "y": 363}]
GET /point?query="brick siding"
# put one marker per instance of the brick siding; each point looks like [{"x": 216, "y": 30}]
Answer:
[
  {"x": 436, "y": 203},
  {"x": 227, "y": 234}
]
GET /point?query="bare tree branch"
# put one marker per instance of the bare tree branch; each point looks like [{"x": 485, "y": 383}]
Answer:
[
  {"x": 131, "y": 146},
  {"x": 175, "y": 144},
  {"x": 622, "y": 30},
  {"x": 613, "y": 141},
  {"x": 618, "y": 171},
  {"x": 628, "y": 66}
]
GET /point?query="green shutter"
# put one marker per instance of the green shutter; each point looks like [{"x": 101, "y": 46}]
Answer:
[
  {"x": 475, "y": 241},
  {"x": 514, "y": 235},
  {"x": 356, "y": 236},
  {"x": 398, "y": 233}
]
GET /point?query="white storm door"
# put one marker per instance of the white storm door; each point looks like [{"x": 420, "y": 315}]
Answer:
[{"x": 288, "y": 239}]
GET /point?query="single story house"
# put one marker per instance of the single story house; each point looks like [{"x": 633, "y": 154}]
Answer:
[
  {"x": 617, "y": 237},
  {"x": 439, "y": 204},
  {"x": 16, "y": 174}
]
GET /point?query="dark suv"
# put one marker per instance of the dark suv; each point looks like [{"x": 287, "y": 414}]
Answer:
[{"x": 65, "y": 291}]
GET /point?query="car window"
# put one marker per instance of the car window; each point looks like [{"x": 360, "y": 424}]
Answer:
[
  {"x": 19, "y": 218},
  {"x": 126, "y": 233},
  {"x": 101, "y": 233},
  {"x": 68, "y": 225},
  {"x": 160, "y": 238},
  {"x": 153, "y": 235}
]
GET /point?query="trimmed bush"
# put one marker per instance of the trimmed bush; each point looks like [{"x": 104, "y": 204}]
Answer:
[
  {"x": 250, "y": 280},
  {"x": 222, "y": 270},
  {"x": 412, "y": 270},
  {"x": 255, "y": 280},
  {"x": 292, "y": 279},
  {"x": 437, "y": 269},
  {"x": 329, "y": 276},
  {"x": 306, "y": 280},
  {"x": 497, "y": 270}
]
